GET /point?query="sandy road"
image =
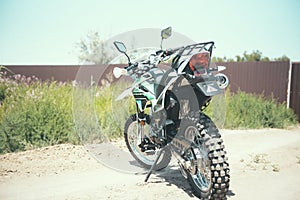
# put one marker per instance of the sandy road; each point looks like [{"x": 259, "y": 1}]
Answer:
[{"x": 265, "y": 164}]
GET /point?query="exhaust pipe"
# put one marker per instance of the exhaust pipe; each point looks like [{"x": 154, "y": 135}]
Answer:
[{"x": 222, "y": 80}]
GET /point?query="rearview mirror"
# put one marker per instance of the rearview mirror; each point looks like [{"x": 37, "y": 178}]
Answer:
[
  {"x": 166, "y": 33},
  {"x": 120, "y": 46}
]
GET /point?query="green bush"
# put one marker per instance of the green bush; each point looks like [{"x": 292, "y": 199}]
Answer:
[
  {"x": 36, "y": 114},
  {"x": 113, "y": 114},
  {"x": 2, "y": 92},
  {"x": 245, "y": 110},
  {"x": 98, "y": 117}
]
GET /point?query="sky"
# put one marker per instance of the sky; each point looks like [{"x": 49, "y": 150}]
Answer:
[{"x": 46, "y": 32}]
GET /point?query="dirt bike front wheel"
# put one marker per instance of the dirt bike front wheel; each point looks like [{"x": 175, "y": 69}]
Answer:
[{"x": 135, "y": 136}]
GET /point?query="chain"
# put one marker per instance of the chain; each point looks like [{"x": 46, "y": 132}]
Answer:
[{"x": 205, "y": 105}]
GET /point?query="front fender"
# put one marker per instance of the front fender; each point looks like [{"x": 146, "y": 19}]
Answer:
[{"x": 124, "y": 94}]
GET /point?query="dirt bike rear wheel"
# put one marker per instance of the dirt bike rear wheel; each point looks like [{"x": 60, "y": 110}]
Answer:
[
  {"x": 209, "y": 178},
  {"x": 132, "y": 139}
]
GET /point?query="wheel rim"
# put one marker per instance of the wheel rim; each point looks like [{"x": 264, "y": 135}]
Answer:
[{"x": 134, "y": 139}]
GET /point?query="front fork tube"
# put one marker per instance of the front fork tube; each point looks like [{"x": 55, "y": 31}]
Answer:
[
  {"x": 141, "y": 117},
  {"x": 141, "y": 131}
]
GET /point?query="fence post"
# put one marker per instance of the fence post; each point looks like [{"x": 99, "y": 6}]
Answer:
[{"x": 289, "y": 85}]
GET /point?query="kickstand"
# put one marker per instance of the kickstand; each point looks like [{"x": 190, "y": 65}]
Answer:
[{"x": 155, "y": 162}]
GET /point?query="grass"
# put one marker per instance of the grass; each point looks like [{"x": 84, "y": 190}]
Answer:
[
  {"x": 35, "y": 114},
  {"x": 250, "y": 111}
]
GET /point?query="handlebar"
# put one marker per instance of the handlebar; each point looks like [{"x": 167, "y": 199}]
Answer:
[{"x": 131, "y": 66}]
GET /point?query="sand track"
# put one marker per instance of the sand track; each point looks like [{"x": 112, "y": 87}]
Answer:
[{"x": 265, "y": 164}]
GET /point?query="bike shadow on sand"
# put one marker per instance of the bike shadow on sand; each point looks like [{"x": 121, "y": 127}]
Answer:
[{"x": 172, "y": 176}]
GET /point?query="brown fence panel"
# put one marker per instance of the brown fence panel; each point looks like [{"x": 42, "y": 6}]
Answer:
[
  {"x": 268, "y": 78},
  {"x": 295, "y": 89},
  {"x": 46, "y": 72},
  {"x": 62, "y": 73}
]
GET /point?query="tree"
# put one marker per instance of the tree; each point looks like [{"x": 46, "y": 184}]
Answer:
[
  {"x": 239, "y": 58},
  {"x": 282, "y": 58},
  {"x": 93, "y": 50},
  {"x": 255, "y": 56},
  {"x": 219, "y": 59}
]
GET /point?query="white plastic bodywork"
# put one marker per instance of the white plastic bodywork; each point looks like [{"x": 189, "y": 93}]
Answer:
[{"x": 119, "y": 72}]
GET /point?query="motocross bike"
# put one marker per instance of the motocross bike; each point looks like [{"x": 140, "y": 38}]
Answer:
[{"x": 169, "y": 118}]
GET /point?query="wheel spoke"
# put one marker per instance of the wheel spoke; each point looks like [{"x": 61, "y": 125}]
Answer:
[
  {"x": 135, "y": 135},
  {"x": 198, "y": 156}
]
